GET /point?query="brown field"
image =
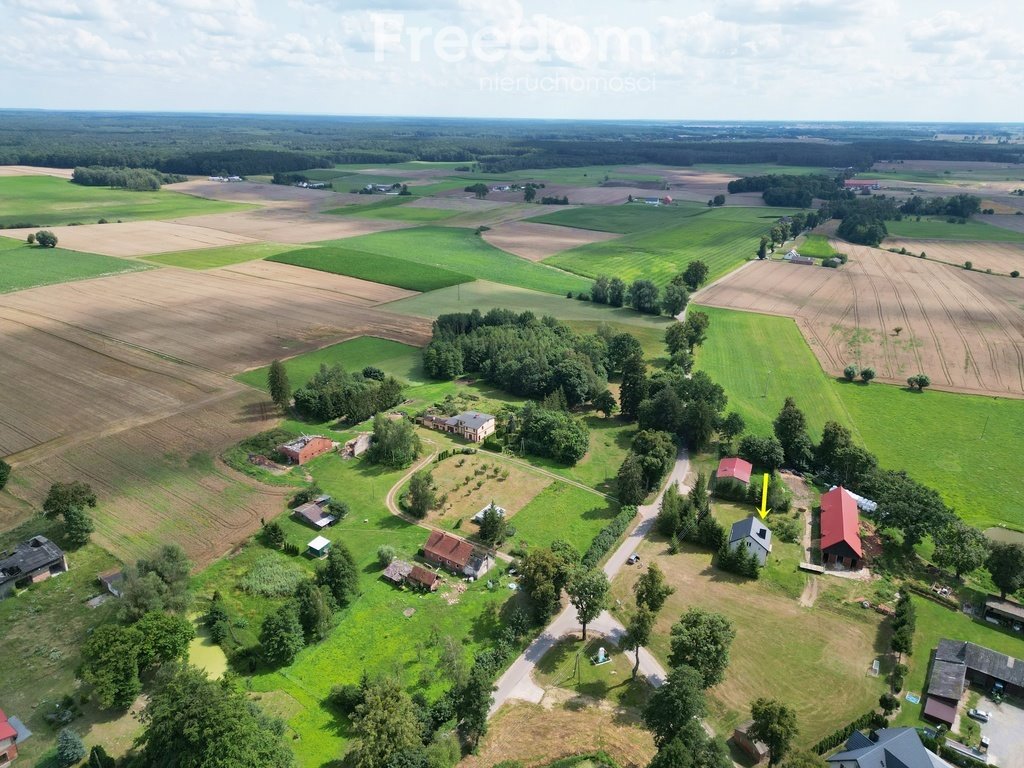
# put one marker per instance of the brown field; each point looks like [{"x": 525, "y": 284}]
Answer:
[
  {"x": 538, "y": 241},
  {"x": 137, "y": 238},
  {"x": 999, "y": 257},
  {"x": 535, "y": 735},
  {"x": 223, "y": 320},
  {"x": 955, "y": 327},
  {"x": 34, "y": 170},
  {"x": 161, "y": 482},
  {"x": 1014, "y": 222},
  {"x": 461, "y": 203},
  {"x": 355, "y": 291},
  {"x": 291, "y": 225},
  {"x": 269, "y": 195}
]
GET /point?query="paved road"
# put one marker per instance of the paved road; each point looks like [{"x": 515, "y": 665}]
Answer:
[{"x": 517, "y": 682}]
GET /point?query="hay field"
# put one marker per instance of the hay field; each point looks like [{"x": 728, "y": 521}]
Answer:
[
  {"x": 269, "y": 195},
  {"x": 954, "y": 329},
  {"x": 999, "y": 257},
  {"x": 35, "y": 170},
  {"x": 137, "y": 238},
  {"x": 538, "y": 241},
  {"x": 225, "y": 320},
  {"x": 25, "y": 266}
]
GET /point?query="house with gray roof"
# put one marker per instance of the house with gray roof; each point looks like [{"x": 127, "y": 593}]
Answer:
[
  {"x": 30, "y": 562},
  {"x": 956, "y": 664},
  {"x": 886, "y": 748},
  {"x": 472, "y": 425},
  {"x": 752, "y": 535}
]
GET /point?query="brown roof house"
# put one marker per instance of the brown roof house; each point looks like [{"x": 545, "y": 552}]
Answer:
[
  {"x": 397, "y": 571},
  {"x": 956, "y": 665},
  {"x": 757, "y": 750},
  {"x": 30, "y": 562},
  {"x": 457, "y": 555},
  {"x": 306, "y": 448},
  {"x": 315, "y": 513},
  {"x": 421, "y": 578}
]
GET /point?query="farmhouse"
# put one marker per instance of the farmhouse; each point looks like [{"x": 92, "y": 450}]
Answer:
[
  {"x": 957, "y": 664},
  {"x": 887, "y": 748},
  {"x": 840, "y": 537},
  {"x": 306, "y": 448},
  {"x": 471, "y": 425},
  {"x": 315, "y": 513},
  {"x": 8, "y": 739},
  {"x": 456, "y": 554},
  {"x": 734, "y": 468},
  {"x": 31, "y": 561},
  {"x": 319, "y": 548},
  {"x": 112, "y": 581},
  {"x": 757, "y": 750},
  {"x": 754, "y": 536}
]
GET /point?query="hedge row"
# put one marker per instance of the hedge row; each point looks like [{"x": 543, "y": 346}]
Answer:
[
  {"x": 953, "y": 605},
  {"x": 867, "y": 721},
  {"x": 608, "y": 536},
  {"x": 449, "y": 452}
]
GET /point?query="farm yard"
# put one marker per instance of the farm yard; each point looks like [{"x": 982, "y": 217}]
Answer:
[
  {"x": 965, "y": 434},
  {"x": 965, "y": 339}
]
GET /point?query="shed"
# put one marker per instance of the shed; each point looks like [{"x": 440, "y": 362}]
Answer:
[
  {"x": 757, "y": 750},
  {"x": 112, "y": 581},
  {"x": 319, "y": 547},
  {"x": 422, "y": 578},
  {"x": 315, "y": 513},
  {"x": 735, "y": 468},
  {"x": 1007, "y": 610},
  {"x": 840, "y": 535}
]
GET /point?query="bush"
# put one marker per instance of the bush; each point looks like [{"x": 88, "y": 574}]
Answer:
[
  {"x": 786, "y": 530},
  {"x": 1015, "y": 273},
  {"x": 385, "y": 555},
  {"x": 270, "y": 576},
  {"x": 306, "y": 495},
  {"x": 868, "y": 721},
  {"x": 345, "y": 698},
  {"x": 604, "y": 541},
  {"x": 850, "y": 372},
  {"x": 46, "y": 239}
]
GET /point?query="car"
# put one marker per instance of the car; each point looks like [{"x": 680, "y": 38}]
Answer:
[
  {"x": 980, "y": 714},
  {"x": 634, "y": 558}
]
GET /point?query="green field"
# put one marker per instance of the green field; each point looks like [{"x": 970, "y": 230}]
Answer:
[
  {"x": 966, "y": 436},
  {"x": 760, "y": 169},
  {"x": 564, "y": 512},
  {"x": 463, "y": 251},
  {"x": 623, "y": 219},
  {"x": 373, "y": 634},
  {"x": 211, "y": 258},
  {"x": 584, "y": 316},
  {"x": 722, "y": 237},
  {"x": 409, "y": 213},
  {"x": 400, "y": 360},
  {"x": 929, "y": 228},
  {"x": 25, "y": 266},
  {"x": 816, "y": 246},
  {"x": 377, "y": 268},
  {"x": 45, "y": 201}
]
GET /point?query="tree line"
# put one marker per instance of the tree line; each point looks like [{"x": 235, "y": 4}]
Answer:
[
  {"x": 792, "y": 190},
  {"x": 136, "y": 179}
]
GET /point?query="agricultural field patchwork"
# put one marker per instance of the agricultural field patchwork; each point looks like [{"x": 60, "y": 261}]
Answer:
[
  {"x": 935, "y": 228},
  {"x": 25, "y": 266},
  {"x": 1001, "y": 258},
  {"x": 47, "y": 201},
  {"x": 211, "y": 258}
]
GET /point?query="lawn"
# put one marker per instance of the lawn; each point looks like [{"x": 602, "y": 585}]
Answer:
[
  {"x": 584, "y": 316},
  {"x": 211, "y": 258},
  {"x": 816, "y": 246},
  {"x": 24, "y": 266},
  {"x": 563, "y": 511},
  {"x": 377, "y": 268},
  {"x": 936, "y": 623},
  {"x": 386, "y": 630},
  {"x": 570, "y": 665},
  {"x": 399, "y": 360},
  {"x": 465, "y": 252},
  {"x": 966, "y": 435},
  {"x": 609, "y": 443},
  {"x": 723, "y": 238},
  {"x": 934, "y": 228},
  {"x": 46, "y": 201},
  {"x": 623, "y": 219},
  {"x": 814, "y": 660}
]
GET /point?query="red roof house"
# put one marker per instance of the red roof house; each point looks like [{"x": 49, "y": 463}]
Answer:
[
  {"x": 423, "y": 578},
  {"x": 734, "y": 468},
  {"x": 8, "y": 749},
  {"x": 840, "y": 536},
  {"x": 455, "y": 554}
]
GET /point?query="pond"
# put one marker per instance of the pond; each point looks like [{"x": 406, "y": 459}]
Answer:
[{"x": 205, "y": 654}]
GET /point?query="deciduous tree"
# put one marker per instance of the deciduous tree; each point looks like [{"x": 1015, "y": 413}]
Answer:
[
  {"x": 695, "y": 274},
  {"x": 278, "y": 385},
  {"x": 1005, "y": 564},
  {"x": 638, "y": 633},
  {"x": 604, "y": 403},
  {"x": 281, "y": 635},
  {"x": 422, "y": 496},
  {"x": 651, "y": 589},
  {"x": 701, "y": 639},
  {"x": 395, "y": 442},
  {"x": 313, "y": 604},
  {"x": 339, "y": 575},
  {"x": 775, "y": 725},
  {"x": 588, "y": 592},
  {"x": 386, "y": 725},
  {"x": 675, "y": 704},
  {"x": 960, "y": 548}
]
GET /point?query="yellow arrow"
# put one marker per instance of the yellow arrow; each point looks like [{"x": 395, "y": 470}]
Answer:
[{"x": 764, "y": 497}]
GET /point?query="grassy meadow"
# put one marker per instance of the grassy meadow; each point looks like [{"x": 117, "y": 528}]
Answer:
[
  {"x": 400, "y": 360},
  {"x": 723, "y": 238},
  {"x": 465, "y": 252},
  {"x": 936, "y": 228},
  {"x": 26, "y": 266},
  {"x": 966, "y": 436},
  {"x": 378, "y": 268},
  {"x": 564, "y": 512},
  {"x": 46, "y": 201},
  {"x": 211, "y": 258},
  {"x": 622, "y": 219},
  {"x": 816, "y": 246}
]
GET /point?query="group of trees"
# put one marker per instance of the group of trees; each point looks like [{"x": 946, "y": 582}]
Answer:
[
  {"x": 519, "y": 353},
  {"x": 644, "y": 296},
  {"x": 44, "y": 238},
  {"x": 957, "y": 206},
  {"x": 137, "y": 179},
  {"x": 71, "y": 502},
  {"x": 650, "y": 457},
  {"x": 334, "y": 393},
  {"x": 394, "y": 443},
  {"x": 542, "y": 430},
  {"x": 904, "y": 622},
  {"x": 690, "y": 407},
  {"x": 789, "y": 190}
]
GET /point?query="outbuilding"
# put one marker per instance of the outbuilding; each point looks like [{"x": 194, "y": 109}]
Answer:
[
  {"x": 734, "y": 468},
  {"x": 306, "y": 448},
  {"x": 840, "y": 535},
  {"x": 31, "y": 561},
  {"x": 319, "y": 547}
]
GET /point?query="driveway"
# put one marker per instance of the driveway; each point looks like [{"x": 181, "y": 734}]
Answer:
[{"x": 1004, "y": 731}]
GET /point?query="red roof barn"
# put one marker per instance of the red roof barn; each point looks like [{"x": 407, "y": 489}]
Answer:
[
  {"x": 840, "y": 536},
  {"x": 734, "y": 468},
  {"x": 8, "y": 749},
  {"x": 303, "y": 449}
]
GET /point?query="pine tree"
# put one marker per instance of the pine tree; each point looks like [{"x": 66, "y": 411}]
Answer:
[
  {"x": 70, "y": 749},
  {"x": 634, "y": 386},
  {"x": 277, "y": 384}
]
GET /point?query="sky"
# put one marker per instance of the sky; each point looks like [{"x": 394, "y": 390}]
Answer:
[{"x": 789, "y": 60}]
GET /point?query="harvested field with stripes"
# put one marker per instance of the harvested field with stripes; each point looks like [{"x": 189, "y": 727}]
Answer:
[{"x": 962, "y": 329}]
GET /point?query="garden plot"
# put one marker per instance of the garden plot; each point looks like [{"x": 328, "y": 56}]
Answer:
[
  {"x": 137, "y": 238},
  {"x": 952, "y": 326},
  {"x": 538, "y": 241}
]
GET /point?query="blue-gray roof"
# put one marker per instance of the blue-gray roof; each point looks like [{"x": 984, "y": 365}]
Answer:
[
  {"x": 892, "y": 748},
  {"x": 471, "y": 419},
  {"x": 753, "y": 529}
]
